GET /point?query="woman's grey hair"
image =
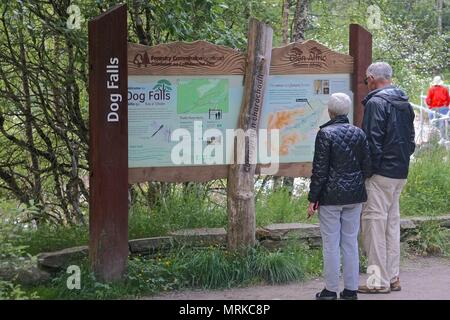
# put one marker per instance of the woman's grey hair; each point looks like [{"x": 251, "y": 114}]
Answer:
[
  {"x": 339, "y": 104},
  {"x": 380, "y": 70}
]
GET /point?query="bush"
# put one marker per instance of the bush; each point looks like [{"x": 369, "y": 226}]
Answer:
[
  {"x": 206, "y": 268},
  {"x": 179, "y": 211},
  {"x": 429, "y": 239},
  {"x": 427, "y": 192},
  {"x": 12, "y": 256},
  {"x": 280, "y": 207}
]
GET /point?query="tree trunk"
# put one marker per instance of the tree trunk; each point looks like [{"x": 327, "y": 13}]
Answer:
[
  {"x": 298, "y": 35},
  {"x": 300, "y": 21},
  {"x": 35, "y": 167},
  {"x": 240, "y": 189},
  {"x": 285, "y": 24},
  {"x": 439, "y": 5}
]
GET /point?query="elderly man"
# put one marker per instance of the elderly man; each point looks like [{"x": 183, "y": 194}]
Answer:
[
  {"x": 389, "y": 126},
  {"x": 341, "y": 165}
]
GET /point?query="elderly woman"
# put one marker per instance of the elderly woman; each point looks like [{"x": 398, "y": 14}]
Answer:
[{"x": 341, "y": 165}]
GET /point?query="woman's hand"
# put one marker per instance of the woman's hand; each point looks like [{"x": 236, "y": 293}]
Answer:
[{"x": 312, "y": 209}]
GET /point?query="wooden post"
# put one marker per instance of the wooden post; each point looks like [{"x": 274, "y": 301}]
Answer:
[
  {"x": 108, "y": 148},
  {"x": 361, "y": 51},
  {"x": 240, "y": 183}
]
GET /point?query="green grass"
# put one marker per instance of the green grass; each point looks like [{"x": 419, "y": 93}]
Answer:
[
  {"x": 427, "y": 192},
  {"x": 48, "y": 238},
  {"x": 184, "y": 268},
  {"x": 279, "y": 207},
  {"x": 429, "y": 239},
  {"x": 179, "y": 211}
]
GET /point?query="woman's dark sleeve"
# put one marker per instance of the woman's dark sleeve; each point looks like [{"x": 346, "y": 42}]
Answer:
[{"x": 321, "y": 166}]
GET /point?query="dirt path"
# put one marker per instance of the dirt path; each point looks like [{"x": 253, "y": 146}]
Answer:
[{"x": 421, "y": 278}]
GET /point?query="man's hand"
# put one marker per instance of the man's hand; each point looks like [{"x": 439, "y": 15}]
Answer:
[{"x": 312, "y": 208}]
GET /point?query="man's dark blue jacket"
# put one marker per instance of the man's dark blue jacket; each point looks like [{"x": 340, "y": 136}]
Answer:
[{"x": 389, "y": 126}]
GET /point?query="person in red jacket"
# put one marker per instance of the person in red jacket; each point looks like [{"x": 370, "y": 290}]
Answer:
[{"x": 438, "y": 101}]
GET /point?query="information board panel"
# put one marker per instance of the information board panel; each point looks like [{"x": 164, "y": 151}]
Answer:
[
  {"x": 297, "y": 106},
  {"x": 159, "y": 105},
  {"x": 195, "y": 90}
]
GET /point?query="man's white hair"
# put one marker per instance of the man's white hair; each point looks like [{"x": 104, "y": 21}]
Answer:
[
  {"x": 339, "y": 104},
  {"x": 380, "y": 71}
]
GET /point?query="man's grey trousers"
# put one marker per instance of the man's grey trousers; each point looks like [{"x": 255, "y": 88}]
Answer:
[{"x": 339, "y": 226}]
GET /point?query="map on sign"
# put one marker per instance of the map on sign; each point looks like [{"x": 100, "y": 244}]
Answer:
[
  {"x": 201, "y": 95},
  {"x": 157, "y": 106},
  {"x": 296, "y": 124},
  {"x": 297, "y": 106}
]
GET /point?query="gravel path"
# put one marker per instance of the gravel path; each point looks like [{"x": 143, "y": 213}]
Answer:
[{"x": 421, "y": 278}]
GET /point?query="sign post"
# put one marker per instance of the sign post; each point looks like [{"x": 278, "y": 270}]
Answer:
[
  {"x": 180, "y": 85},
  {"x": 361, "y": 51},
  {"x": 108, "y": 149},
  {"x": 240, "y": 183}
]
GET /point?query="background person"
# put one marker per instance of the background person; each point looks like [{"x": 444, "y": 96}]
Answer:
[
  {"x": 389, "y": 126},
  {"x": 438, "y": 101},
  {"x": 341, "y": 165}
]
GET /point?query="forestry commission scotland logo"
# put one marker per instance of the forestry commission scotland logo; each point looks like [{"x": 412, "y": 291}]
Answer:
[{"x": 141, "y": 59}]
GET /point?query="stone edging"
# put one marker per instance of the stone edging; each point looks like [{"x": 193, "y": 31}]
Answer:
[{"x": 270, "y": 236}]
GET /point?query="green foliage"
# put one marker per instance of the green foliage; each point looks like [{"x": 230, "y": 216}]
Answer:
[
  {"x": 427, "y": 191},
  {"x": 144, "y": 276},
  {"x": 216, "y": 268},
  {"x": 179, "y": 210},
  {"x": 363, "y": 261},
  {"x": 429, "y": 239},
  {"x": 10, "y": 226},
  {"x": 48, "y": 237},
  {"x": 207, "y": 268},
  {"x": 280, "y": 266},
  {"x": 11, "y": 291},
  {"x": 278, "y": 206},
  {"x": 407, "y": 37},
  {"x": 12, "y": 255}
]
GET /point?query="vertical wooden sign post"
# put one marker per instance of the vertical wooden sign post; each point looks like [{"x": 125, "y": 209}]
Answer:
[
  {"x": 108, "y": 149},
  {"x": 240, "y": 183},
  {"x": 361, "y": 51}
]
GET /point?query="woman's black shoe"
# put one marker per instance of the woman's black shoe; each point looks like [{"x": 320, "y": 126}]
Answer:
[
  {"x": 349, "y": 295},
  {"x": 326, "y": 295}
]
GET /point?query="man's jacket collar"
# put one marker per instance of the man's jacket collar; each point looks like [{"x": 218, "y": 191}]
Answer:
[{"x": 374, "y": 92}]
